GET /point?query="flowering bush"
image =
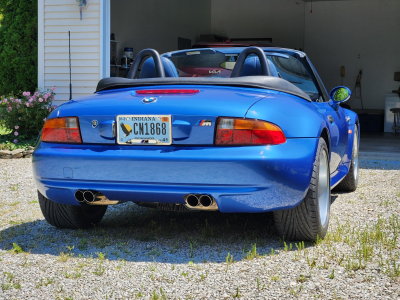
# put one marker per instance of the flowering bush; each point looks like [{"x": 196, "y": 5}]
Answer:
[{"x": 25, "y": 117}]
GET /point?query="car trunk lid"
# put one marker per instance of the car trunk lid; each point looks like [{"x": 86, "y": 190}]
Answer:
[{"x": 193, "y": 116}]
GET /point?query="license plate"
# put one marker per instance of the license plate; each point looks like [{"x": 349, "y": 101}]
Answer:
[{"x": 144, "y": 129}]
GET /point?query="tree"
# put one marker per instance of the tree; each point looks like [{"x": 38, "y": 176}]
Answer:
[{"x": 18, "y": 46}]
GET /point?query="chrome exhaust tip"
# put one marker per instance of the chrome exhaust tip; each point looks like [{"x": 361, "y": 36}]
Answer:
[
  {"x": 192, "y": 200},
  {"x": 89, "y": 196},
  {"x": 93, "y": 198},
  {"x": 200, "y": 202},
  {"x": 79, "y": 196},
  {"x": 206, "y": 200}
]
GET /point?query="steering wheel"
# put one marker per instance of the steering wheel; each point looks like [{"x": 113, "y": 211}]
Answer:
[
  {"x": 242, "y": 57},
  {"x": 134, "y": 70}
]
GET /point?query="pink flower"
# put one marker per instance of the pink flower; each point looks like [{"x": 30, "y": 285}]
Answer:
[
  {"x": 53, "y": 88},
  {"x": 11, "y": 98},
  {"x": 5, "y": 100},
  {"x": 27, "y": 104},
  {"x": 15, "y": 141},
  {"x": 10, "y": 108},
  {"x": 36, "y": 94},
  {"x": 16, "y": 127},
  {"x": 28, "y": 93},
  {"x": 40, "y": 100},
  {"x": 24, "y": 94},
  {"x": 16, "y": 133},
  {"x": 30, "y": 100},
  {"x": 19, "y": 118},
  {"x": 45, "y": 119},
  {"x": 45, "y": 96}
]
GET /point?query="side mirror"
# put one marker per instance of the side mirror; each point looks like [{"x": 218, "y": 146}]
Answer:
[{"x": 340, "y": 94}]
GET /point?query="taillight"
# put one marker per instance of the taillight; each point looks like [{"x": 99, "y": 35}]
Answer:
[
  {"x": 235, "y": 131},
  {"x": 62, "y": 130},
  {"x": 167, "y": 91}
]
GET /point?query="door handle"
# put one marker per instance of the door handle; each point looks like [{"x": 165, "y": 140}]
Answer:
[{"x": 330, "y": 119}]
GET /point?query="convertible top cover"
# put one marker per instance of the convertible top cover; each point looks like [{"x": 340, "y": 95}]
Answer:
[{"x": 261, "y": 82}]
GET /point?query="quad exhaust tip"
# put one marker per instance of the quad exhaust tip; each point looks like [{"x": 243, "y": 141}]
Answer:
[
  {"x": 200, "y": 202},
  {"x": 93, "y": 198}
]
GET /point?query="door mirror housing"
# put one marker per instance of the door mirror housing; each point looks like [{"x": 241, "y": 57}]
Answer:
[{"x": 340, "y": 94}]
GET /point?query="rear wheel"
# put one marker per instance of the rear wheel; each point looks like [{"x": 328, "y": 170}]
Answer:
[
  {"x": 350, "y": 182},
  {"x": 71, "y": 216},
  {"x": 310, "y": 219}
]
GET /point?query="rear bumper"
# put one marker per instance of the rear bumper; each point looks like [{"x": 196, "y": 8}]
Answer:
[{"x": 241, "y": 179}]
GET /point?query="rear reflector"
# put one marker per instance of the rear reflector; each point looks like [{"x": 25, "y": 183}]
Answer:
[
  {"x": 167, "y": 91},
  {"x": 62, "y": 130},
  {"x": 235, "y": 131}
]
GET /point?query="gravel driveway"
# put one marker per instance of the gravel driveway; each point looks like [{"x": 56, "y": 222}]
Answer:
[{"x": 139, "y": 253}]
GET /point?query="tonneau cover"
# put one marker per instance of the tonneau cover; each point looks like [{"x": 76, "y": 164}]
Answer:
[{"x": 261, "y": 82}]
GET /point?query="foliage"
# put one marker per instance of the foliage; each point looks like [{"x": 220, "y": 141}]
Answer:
[
  {"x": 6, "y": 143},
  {"x": 24, "y": 118},
  {"x": 18, "y": 46}
]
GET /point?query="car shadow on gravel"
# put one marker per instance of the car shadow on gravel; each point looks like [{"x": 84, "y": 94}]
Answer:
[{"x": 133, "y": 233}]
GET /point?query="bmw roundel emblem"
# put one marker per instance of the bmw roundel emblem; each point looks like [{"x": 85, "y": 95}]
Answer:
[{"x": 149, "y": 100}]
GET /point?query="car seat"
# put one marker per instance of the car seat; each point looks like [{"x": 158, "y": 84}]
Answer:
[
  {"x": 252, "y": 67},
  {"x": 149, "y": 70}
]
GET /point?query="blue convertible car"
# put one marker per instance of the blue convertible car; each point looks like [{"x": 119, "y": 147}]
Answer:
[{"x": 237, "y": 130}]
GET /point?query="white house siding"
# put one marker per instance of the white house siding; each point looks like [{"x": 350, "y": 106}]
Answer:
[{"x": 59, "y": 17}]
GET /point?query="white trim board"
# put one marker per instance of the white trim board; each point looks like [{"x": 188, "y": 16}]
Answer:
[{"x": 41, "y": 43}]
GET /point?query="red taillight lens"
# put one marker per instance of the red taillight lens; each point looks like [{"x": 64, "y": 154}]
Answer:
[
  {"x": 62, "y": 130},
  {"x": 232, "y": 131},
  {"x": 167, "y": 91}
]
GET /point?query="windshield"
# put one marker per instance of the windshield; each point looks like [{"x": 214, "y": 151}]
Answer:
[{"x": 215, "y": 63}]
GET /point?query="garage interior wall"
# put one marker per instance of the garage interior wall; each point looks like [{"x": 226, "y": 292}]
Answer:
[
  {"x": 158, "y": 24},
  {"x": 359, "y": 34},
  {"x": 333, "y": 35},
  {"x": 281, "y": 20}
]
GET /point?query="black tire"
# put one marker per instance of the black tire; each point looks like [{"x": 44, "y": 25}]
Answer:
[
  {"x": 71, "y": 216},
  {"x": 350, "y": 181},
  {"x": 304, "y": 222}
]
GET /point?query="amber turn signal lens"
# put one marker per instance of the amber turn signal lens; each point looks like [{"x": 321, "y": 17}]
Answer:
[
  {"x": 62, "y": 130},
  {"x": 235, "y": 131}
]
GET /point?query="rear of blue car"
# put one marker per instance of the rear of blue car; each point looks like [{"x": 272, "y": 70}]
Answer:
[
  {"x": 206, "y": 156},
  {"x": 255, "y": 141}
]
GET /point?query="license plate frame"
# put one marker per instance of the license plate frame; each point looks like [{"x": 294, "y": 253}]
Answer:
[{"x": 146, "y": 139}]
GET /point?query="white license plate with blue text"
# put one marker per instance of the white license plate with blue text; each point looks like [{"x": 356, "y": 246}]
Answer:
[{"x": 144, "y": 129}]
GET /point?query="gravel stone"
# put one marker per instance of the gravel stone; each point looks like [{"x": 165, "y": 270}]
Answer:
[{"x": 141, "y": 253}]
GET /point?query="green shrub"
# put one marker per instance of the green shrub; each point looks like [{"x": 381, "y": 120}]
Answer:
[
  {"x": 25, "y": 116},
  {"x": 18, "y": 46}
]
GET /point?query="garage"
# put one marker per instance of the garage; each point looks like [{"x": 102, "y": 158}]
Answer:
[{"x": 353, "y": 43}]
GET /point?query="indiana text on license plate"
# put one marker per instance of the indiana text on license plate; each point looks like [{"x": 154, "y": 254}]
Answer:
[{"x": 144, "y": 129}]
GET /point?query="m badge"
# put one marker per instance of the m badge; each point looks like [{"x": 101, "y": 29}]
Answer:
[{"x": 204, "y": 123}]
